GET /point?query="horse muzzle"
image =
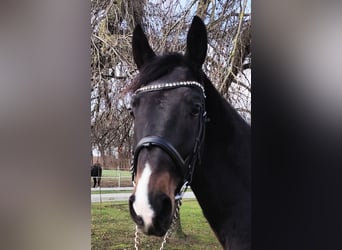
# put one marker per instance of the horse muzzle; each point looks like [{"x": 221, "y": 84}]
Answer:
[{"x": 155, "y": 217}]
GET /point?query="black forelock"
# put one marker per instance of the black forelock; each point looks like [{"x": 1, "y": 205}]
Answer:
[{"x": 160, "y": 66}]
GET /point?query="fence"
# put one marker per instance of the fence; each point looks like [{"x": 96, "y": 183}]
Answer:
[
  {"x": 113, "y": 163},
  {"x": 116, "y": 178}
]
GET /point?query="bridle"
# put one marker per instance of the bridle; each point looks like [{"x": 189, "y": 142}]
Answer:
[
  {"x": 188, "y": 163},
  {"x": 193, "y": 158}
]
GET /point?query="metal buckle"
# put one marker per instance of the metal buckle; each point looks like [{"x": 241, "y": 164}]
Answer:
[{"x": 181, "y": 192}]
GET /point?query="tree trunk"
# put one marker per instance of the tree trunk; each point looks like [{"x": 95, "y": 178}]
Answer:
[
  {"x": 239, "y": 54},
  {"x": 103, "y": 157},
  {"x": 202, "y": 8}
]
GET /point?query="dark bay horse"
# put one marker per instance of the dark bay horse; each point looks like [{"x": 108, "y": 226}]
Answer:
[
  {"x": 186, "y": 133},
  {"x": 96, "y": 173}
]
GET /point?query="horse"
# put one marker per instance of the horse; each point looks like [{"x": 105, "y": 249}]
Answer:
[
  {"x": 187, "y": 134},
  {"x": 96, "y": 173}
]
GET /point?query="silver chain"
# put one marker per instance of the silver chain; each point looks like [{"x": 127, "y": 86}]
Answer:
[
  {"x": 171, "y": 85},
  {"x": 136, "y": 238},
  {"x": 167, "y": 235}
]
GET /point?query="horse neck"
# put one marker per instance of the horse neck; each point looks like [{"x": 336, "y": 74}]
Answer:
[{"x": 222, "y": 182}]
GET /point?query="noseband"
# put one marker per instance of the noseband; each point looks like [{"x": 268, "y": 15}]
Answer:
[{"x": 155, "y": 141}]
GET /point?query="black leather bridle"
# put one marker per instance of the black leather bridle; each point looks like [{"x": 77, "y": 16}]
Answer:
[{"x": 188, "y": 164}]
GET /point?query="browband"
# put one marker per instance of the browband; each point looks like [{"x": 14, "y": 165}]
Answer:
[{"x": 161, "y": 86}]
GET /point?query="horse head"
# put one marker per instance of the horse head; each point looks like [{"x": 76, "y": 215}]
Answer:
[{"x": 168, "y": 106}]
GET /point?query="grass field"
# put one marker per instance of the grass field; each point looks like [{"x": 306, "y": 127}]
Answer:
[
  {"x": 115, "y": 173},
  {"x": 112, "y": 228},
  {"x": 111, "y": 191}
]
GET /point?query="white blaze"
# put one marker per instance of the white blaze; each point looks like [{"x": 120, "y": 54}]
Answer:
[{"x": 141, "y": 204}]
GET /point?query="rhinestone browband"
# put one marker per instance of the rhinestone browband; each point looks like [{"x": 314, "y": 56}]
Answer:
[{"x": 161, "y": 86}]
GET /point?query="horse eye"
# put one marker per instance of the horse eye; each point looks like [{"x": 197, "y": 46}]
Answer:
[{"x": 196, "y": 109}]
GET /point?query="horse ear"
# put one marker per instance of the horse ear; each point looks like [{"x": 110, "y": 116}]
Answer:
[
  {"x": 196, "y": 43},
  {"x": 142, "y": 51}
]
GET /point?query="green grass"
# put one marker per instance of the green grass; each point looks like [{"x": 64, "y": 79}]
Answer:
[
  {"x": 112, "y": 228},
  {"x": 111, "y": 173},
  {"x": 110, "y": 191}
]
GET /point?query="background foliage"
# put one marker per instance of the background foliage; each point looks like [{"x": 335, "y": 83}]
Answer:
[{"x": 166, "y": 24}]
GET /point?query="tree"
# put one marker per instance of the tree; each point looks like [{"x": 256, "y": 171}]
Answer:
[
  {"x": 166, "y": 24},
  {"x": 111, "y": 69}
]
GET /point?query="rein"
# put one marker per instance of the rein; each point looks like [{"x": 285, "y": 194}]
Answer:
[{"x": 187, "y": 164}]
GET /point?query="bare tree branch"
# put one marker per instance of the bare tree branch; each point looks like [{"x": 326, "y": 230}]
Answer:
[{"x": 166, "y": 24}]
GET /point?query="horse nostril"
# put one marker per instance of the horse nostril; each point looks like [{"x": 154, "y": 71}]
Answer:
[
  {"x": 139, "y": 221},
  {"x": 162, "y": 205},
  {"x": 167, "y": 207},
  {"x": 132, "y": 198},
  {"x": 166, "y": 203}
]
